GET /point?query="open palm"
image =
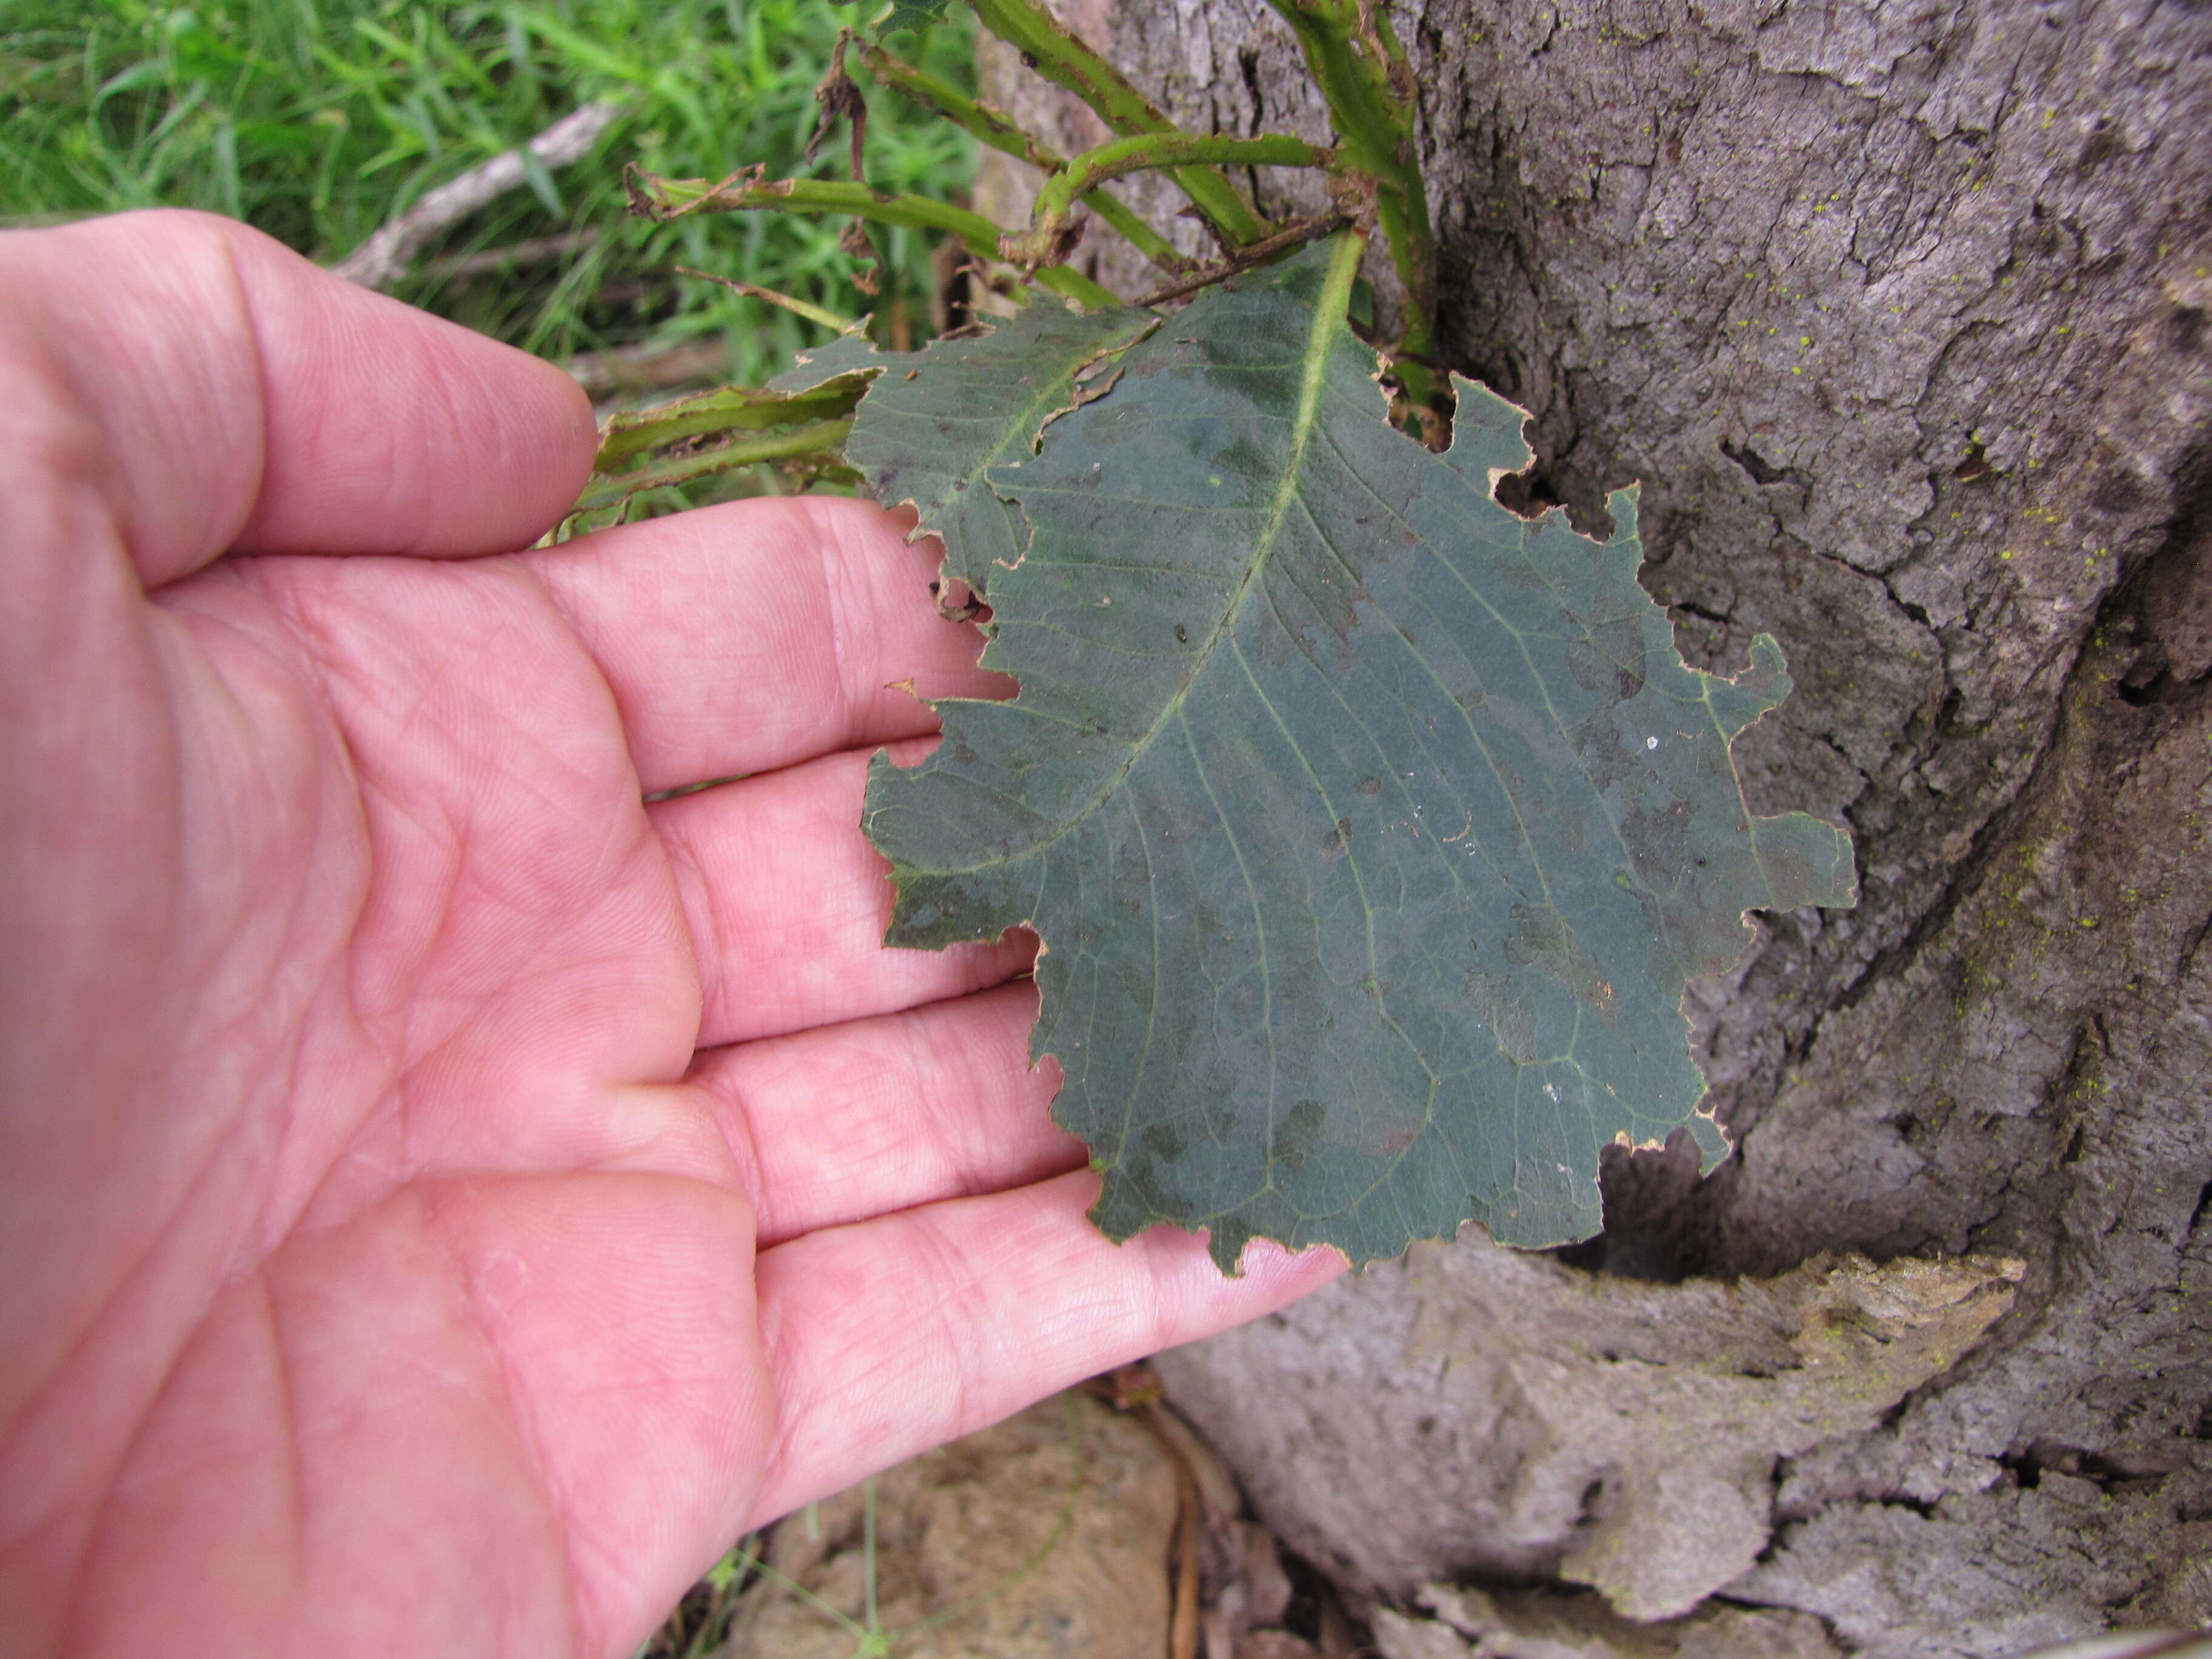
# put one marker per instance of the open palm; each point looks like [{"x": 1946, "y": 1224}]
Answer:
[{"x": 444, "y": 1196}]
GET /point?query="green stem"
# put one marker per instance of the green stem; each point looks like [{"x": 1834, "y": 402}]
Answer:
[
  {"x": 824, "y": 438},
  {"x": 988, "y": 123},
  {"x": 791, "y": 302},
  {"x": 1123, "y": 157},
  {"x": 670, "y": 198},
  {"x": 1051, "y": 50},
  {"x": 1147, "y": 240},
  {"x": 1055, "y": 203},
  {"x": 1071, "y": 284},
  {"x": 1362, "y": 73},
  {"x": 993, "y": 127}
]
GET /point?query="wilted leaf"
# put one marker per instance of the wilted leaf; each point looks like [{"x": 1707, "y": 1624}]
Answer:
[{"x": 1371, "y": 831}]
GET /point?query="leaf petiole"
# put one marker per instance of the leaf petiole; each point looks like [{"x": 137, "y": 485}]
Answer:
[
  {"x": 1331, "y": 306},
  {"x": 1054, "y": 51},
  {"x": 1362, "y": 71},
  {"x": 730, "y": 409},
  {"x": 994, "y": 128},
  {"x": 1052, "y": 225},
  {"x": 985, "y": 121},
  {"x": 823, "y": 441},
  {"x": 663, "y": 199},
  {"x": 791, "y": 302}
]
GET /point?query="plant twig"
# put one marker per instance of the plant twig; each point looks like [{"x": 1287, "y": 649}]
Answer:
[
  {"x": 1258, "y": 253},
  {"x": 790, "y": 302},
  {"x": 993, "y": 127},
  {"x": 674, "y": 199},
  {"x": 385, "y": 257},
  {"x": 728, "y": 409},
  {"x": 986, "y": 121},
  {"x": 823, "y": 441},
  {"x": 1052, "y": 224},
  {"x": 1054, "y": 51},
  {"x": 1362, "y": 71}
]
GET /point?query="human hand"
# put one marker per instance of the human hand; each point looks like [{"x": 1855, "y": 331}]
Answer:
[{"x": 446, "y": 1199}]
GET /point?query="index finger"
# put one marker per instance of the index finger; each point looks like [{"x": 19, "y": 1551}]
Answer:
[
  {"x": 202, "y": 388},
  {"x": 755, "y": 635}
]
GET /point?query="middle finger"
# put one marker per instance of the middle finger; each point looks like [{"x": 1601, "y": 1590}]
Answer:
[
  {"x": 847, "y": 1122},
  {"x": 787, "y": 904},
  {"x": 761, "y": 634}
]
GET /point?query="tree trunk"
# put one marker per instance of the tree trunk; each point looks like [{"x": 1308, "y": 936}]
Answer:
[{"x": 1899, "y": 311}]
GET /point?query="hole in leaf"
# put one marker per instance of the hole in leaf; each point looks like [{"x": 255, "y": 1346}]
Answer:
[{"x": 1527, "y": 495}]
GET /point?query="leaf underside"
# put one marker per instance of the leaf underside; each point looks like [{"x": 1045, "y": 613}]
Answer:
[
  {"x": 972, "y": 404},
  {"x": 1371, "y": 830}
]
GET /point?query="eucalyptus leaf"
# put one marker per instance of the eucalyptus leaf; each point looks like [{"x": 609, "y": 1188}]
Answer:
[{"x": 1371, "y": 830}]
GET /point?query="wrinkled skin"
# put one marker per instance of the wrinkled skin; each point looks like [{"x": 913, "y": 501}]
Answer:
[{"x": 444, "y": 1199}]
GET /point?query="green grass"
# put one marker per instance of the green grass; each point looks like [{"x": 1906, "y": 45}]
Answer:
[{"x": 317, "y": 119}]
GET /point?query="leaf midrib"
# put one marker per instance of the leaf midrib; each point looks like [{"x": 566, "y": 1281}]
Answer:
[{"x": 1329, "y": 309}]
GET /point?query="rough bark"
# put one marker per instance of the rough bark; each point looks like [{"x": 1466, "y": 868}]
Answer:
[{"x": 1899, "y": 312}]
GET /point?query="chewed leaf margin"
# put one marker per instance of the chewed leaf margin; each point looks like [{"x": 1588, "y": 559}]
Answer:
[
  {"x": 1237, "y": 601},
  {"x": 935, "y": 421}
]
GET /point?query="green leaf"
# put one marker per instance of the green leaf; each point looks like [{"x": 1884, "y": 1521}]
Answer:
[
  {"x": 928, "y": 439},
  {"x": 1371, "y": 830},
  {"x": 803, "y": 427},
  {"x": 911, "y": 14},
  {"x": 632, "y": 431}
]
